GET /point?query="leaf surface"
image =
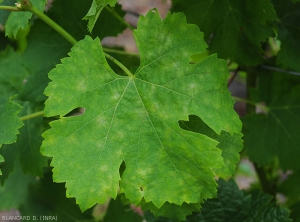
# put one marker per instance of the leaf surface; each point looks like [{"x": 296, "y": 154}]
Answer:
[
  {"x": 48, "y": 198},
  {"x": 232, "y": 205},
  {"x": 69, "y": 14},
  {"x": 117, "y": 211},
  {"x": 288, "y": 33},
  {"x": 41, "y": 39},
  {"x": 275, "y": 133},
  {"x": 12, "y": 73},
  {"x": 26, "y": 150},
  {"x": 20, "y": 20},
  {"x": 135, "y": 119},
  {"x": 15, "y": 189},
  {"x": 5, "y": 13},
  {"x": 9, "y": 122},
  {"x": 95, "y": 10},
  {"x": 230, "y": 145},
  {"x": 233, "y": 29}
]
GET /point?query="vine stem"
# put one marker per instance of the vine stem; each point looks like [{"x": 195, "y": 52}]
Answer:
[
  {"x": 10, "y": 8},
  {"x": 27, "y": 6},
  {"x": 117, "y": 16},
  {"x": 262, "y": 107},
  {"x": 120, "y": 52},
  {"x": 52, "y": 24},
  {"x": 119, "y": 64},
  {"x": 32, "y": 115}
]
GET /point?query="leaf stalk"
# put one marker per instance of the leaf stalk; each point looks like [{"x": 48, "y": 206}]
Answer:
[
  {"x": 10, "y": 8},
  {"x": 32, "y": 115},
  {"x": 117, "y": 16}
]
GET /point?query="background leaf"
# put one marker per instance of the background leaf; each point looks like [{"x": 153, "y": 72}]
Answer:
[
  {"x": 117, "y": 211},
  {"x": 48, "y": 199},
  {"x": 73, "y": 12},
  {"x": 15, "y": 189},
  {"x": 233, "y": 29},
  {"x": 26, "y": 151},
  {"x": 12, "y": 73},
  {"x": 20, "y": 20},
  {"x": 288, "y": 33},
  {"x": 95, "y": 10},
  {"x": 9, "y": 122},
  {"x": 275, "y": 133},
  {"x": 232, "y": 205},
  {"x": 5, "y": 13}
]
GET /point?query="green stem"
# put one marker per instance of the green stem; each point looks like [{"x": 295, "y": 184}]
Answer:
[
  {"x": 10, "y": 8},
  {"x": 262, "y": 107},
  {"x": 120, "y": 52},
  {"x": 119, "y": 64},
  {"x": 32, "y": 115},
  {"x": 116, "y": 15},
  {"x": 26, "y": 5},
  {"x": 52, "y": 24}
]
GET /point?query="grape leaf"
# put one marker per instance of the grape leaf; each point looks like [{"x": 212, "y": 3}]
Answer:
[
  {"x": 26, "y": 150},
  {"x": 294, "y": 1},
  {"x": 230, "y": 145},
  {"x": 5, "y": 13},
  {"x": 275, "y": 133},
  {"x": 69, "y": 14},
  {"x": 234, "y": 29},
  {"x": 12, "y": 73},
  {"x": 288, "y": 33},
  {"x": 290, "y": 188},
  {"x": 48, "y": 198},
  {"x": 172, "y": 211},
  {"x": 19, "y": 20},
  {"x": 39, "y": 63},
  {"x": 15, "y": 189},
  {"x": 95, "y": 10},
  {"x": 9, "y": 122},
  {"x": 135, "y": 119},
  {"x": 232, "y": 205},
  {"x": 295, "y": 212},
  {"x": 117, "y": 211}
]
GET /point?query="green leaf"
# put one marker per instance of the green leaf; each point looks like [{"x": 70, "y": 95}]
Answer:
[
  {"x": 135, "y": 119},
  {"x": 5, "y": 13},
  {"x": 295, "y": 212},
  {"x": 230, "y": 145},
  {"x": 275, "y": 133},
  {"x": 12, "y": 73},
  {"x": 19, "y": 20},
  {"x": 26, "y": 150},
  {"x": 234, "y": 29},
  {"x": 95, "y": 11},
  {"x": 290, "y": 188},
  {"x": 48, "y": 199},
  {"x": 288, "y": 33},
  {"x": 117, "y": 211},
  {"x": 172, "y": 211},
  {"x": 232, "y": 205},
  {"x": 9, "y": 122},
  {"x": 15, "y": 189},
  {"x": 39, "y": 63},
  {"x": 73, "y": 12}
]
